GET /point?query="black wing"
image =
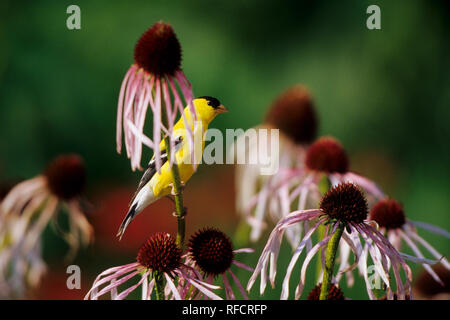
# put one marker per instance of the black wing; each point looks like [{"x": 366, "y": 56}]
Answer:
[{"x": 151, "y": 168}]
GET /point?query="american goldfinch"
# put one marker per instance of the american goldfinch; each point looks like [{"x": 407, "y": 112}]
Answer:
[{"x": 154, "y": 185}]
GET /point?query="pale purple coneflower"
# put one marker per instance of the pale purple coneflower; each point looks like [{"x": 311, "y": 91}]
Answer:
[
  {"x": 301, "y": 187},
  {"x": 211, "y": 251},
  {"x": 342, "y": 206},
  {"x": 294, "y": 114},
  {"x": 29, "y": 206},
  {"x": 154, "y": 80},
  {"x": 159, "y": 259},
  {"x": 32, "y": 204},
  {"x": 390, "y": 217}
]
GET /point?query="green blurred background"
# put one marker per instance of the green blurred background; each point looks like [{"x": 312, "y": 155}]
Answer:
[{"x": 384, "y": 93}]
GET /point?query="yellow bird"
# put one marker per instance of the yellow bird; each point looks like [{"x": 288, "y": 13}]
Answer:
[{"x": 154, "y": 185}]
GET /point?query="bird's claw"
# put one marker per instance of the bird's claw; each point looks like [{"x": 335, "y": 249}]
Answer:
[
  {"x": 171, "y": 199},
  {"x": 173, "y": 191},
  {"x": 175, "y": 214}
]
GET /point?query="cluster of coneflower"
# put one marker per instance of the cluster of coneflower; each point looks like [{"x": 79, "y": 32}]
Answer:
[
  {"x": 314, "y": 200},
  {"x": 324, "y": 209}
]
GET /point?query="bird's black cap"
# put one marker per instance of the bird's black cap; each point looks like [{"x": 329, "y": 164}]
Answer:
[{"x": 213, "y": 102}]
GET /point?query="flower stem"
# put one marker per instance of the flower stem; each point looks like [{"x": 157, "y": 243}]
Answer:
[
  {"x": 179, "y": 202},
  {"x": 180, "y": 210},
  {"x": 159, "y": 286},
  {"x": 324, "y": 185},
  {"x": 329, "y": 261}
]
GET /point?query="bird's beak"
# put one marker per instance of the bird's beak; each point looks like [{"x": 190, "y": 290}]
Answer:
[{"x": 221, "y": 109}]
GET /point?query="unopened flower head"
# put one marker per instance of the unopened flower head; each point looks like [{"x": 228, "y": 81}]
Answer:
[
  {"x": 152, "y": 82},
  {"x": 159, "y": 257},
  {"x": 390, "y": 216},
  {"x": 343, "y": 206},
  {"x": 335, "y": 293},
  {"x": 212, "y": 252},
  {"x": 30, "y": 205}
]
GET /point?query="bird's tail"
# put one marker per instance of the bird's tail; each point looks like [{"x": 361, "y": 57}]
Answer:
[
  {"x": 142, "y": 199},
  {"x": 126, "y": 221}
]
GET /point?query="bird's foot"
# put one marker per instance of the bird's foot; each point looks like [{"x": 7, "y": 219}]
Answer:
[
  {"x": 173, "y": 191},
  {"x": 171, "y": 199},
  {"x": 175, "y": 214}
]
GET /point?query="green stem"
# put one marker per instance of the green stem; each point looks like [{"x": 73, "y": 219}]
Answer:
[
  {"x": 329, "y": 261},
  {"x": 180, "y": 210},
  {"x": 324, "y": 185},
  {"x": 159, "y": 286},
  {"x": 179, "y": 202}
]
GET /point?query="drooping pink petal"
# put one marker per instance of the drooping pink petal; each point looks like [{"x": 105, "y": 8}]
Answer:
[
  {"x": 130, "y": 93},
  {"x": 139, "y": 135},
  {"x": 81, "y": 223},
  {"x": 170, "y": 118},
  {"x": 298, "y": 216},
  {"x": 151, "y": 285},
  {"x": 157, "y": 125},
  {"x": 419, "y": 254},
  {"x": 302, "y": 190},
  {"x": 116, "y": 283},
  {"x": 136, "y": 111},
  {"x": 179, "y": 104},
  {"x": 433, "y": 251},
  {"x": 202, "y": 286},
  {"x": 186, "y": 89},
  {"x": 395, "y": 239},
  {"x": 18, "y": 224},
  {"x": 238, "y": 284},
  {"x": 273, "y": 258},
  {"x": 144, "y": 294},
  {"x": 431, "y": 228},
  {"x": 244, "y": 250},
  {"x": 295, "y": 256},
  {"x": 228, "y": 291},
  {"x": 272, "y": 244},
  {"x": 109, "y": 275},
  {"x": 172, "y": 287},
  {"x": 365, "y": 183},
  {"x": 376, "y": 257},
  {"x": 365, "y": 273},
  {"x": 35, "y": 231},
  {"x": 126, "y": 292},
  {"x": 308, "y": 258},
  {"x": 357, "y": 250},
  {"x": 397, "y": 261},
  {"x": 243, "y": 266},
  {"x": 131, "y": 70},
  {"x": 260, "y": 211},
  {"x": 15, "y": 200},
  {"x": 139, "y": 120}
]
